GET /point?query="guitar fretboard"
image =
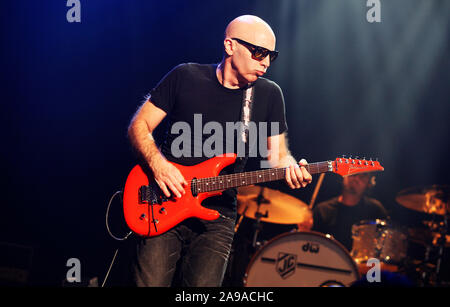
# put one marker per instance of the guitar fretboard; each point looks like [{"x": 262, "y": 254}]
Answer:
[{"x": 223, "y": 182}]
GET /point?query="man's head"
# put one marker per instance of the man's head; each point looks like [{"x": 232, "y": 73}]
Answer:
[
  {"x": 241, "y": 31},
  {"x": 358, "y": 184}
]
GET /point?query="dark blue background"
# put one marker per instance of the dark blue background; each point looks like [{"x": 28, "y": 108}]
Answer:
[{"x": 69, "y": 91}]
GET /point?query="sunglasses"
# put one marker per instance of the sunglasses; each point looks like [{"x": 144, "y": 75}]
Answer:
[{"x": 258, "y": 53}]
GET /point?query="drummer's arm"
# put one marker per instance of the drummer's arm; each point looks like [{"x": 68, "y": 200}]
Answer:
[{"x": 280, "y": 157}]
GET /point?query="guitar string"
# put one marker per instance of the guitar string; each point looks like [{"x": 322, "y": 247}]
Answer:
[
  {"x": 203, "y": 182},
  {"x": 253, "y": 175},
  {"x": 320, "y": 167}
]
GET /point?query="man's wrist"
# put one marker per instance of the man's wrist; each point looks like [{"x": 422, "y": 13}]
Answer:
[{"x": 287, "y": 161}]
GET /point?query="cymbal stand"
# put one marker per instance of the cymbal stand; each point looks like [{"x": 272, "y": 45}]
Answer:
[
  {"x": 426, "y": 276},
  {"x": 236, "y": 227},
  {"x": 258, "y": 215},
  {"x": 434, "y": 253},
  {"x": 441, "y": 244}
]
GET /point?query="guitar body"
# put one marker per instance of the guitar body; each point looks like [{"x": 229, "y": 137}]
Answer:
[{"x": 154, "y": 215}]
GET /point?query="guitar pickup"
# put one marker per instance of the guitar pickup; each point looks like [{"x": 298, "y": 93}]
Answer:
[
  {"x": 151, "y": 195},
  {"x": 144, "y": 194}
]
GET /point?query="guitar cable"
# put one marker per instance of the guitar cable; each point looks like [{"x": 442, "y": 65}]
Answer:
[
  {"x": 113, "y": 236},
  {"x": 106, "y": 219}
]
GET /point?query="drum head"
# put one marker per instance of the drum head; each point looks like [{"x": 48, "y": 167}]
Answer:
[
  {"x": 298, "y": 259},
  {"x": 379, "y": 239}
]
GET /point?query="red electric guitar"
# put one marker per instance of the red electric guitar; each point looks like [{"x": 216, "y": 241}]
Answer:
[{"x": 148, "y": 212}]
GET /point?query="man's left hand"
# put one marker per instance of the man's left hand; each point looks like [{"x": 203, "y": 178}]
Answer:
[{"x": 297, "y": 176}]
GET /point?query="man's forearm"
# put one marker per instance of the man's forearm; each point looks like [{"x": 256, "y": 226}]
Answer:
[
  {"x": 142, "y": 140},
  {"x": 279, "y": 154},
  {"x": 286, "y": 160}
]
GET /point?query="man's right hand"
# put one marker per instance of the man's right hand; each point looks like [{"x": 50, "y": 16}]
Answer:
[{"x": 168, "y": 177}]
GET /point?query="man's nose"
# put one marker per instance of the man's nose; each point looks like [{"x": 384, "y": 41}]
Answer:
[{"x": 266, "y": 61}]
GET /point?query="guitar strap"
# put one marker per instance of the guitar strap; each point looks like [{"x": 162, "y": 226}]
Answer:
[{"x": 247, "y": 104}]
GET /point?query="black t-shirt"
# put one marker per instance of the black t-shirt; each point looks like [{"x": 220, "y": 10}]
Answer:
[
  {"x": 334, "y": 218},
  {"x": 196, "y": 103}
]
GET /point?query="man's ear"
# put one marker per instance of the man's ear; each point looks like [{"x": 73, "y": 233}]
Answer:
[
  {"x": 372, "y": 181},
  {"x": 228, "y": 46}
]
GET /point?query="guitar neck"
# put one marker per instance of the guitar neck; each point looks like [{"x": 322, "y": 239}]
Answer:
[{"x": 260, "y": 176}]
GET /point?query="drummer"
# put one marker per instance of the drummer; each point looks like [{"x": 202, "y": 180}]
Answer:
[{"x": 337, "y": 215}]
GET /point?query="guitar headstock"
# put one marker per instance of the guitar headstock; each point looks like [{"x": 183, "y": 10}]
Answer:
[{"x": 348, "y": 166}]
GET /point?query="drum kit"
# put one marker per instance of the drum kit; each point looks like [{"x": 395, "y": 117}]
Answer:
[
  {"x": 434, "y": 202},
  {"x": 301, "y": 257}
]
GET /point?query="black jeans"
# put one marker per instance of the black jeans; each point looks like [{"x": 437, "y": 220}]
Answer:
[{"x": 196, "y": 251}]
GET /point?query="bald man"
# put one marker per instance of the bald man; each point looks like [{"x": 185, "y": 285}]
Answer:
[{"x": 195, "y": 252}]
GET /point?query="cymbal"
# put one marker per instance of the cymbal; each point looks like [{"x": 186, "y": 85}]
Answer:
[
  {"x": 432, "y": 199},
  {"x": 275, "y": 206}
]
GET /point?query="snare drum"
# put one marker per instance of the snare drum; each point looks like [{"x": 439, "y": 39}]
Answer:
[
  {"x": 295, "y": 259},
  {"x": 381, "y": 240}
]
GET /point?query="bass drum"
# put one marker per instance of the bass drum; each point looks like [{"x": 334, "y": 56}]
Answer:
[{"x": 301, "y": 259}]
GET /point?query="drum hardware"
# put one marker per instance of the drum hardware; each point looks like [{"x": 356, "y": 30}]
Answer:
[
  {"x": 441, "y": 243},
  {"x": 426, "y": 271},
  {"x": 238, "y": 223},
  {"x": 433, "y": 200},
  {"x": 316, "y": 191},
  {"x": 258, "y": 215}
]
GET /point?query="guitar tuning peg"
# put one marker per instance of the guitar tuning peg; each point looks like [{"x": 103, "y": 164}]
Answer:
[{"x": 364, "y": 158}]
